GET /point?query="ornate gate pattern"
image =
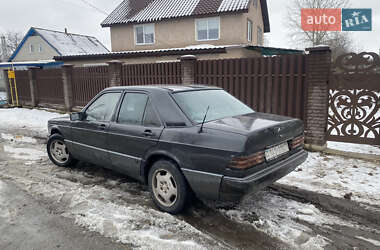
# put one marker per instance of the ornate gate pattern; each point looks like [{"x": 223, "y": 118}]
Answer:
[{"x": 354, "y": 99}]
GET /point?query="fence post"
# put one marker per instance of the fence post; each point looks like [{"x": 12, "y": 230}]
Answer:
[
  {"x": 115, "y": 71},
  {"x": 33, "y": 86},
  {"x": 318, "y": 67},
  {"x": 67, "y": 77},
  {"x": 188, "y": 64}
]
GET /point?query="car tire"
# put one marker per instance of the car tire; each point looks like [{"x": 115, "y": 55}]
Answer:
[
  {"x": 58, "y": 152},
  {"x": 168, "y": 187}
]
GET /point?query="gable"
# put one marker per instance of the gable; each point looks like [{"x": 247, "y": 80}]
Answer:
[
  {"x": 64, "y": 43},
  {"x": 25, "y": 54},
  {"x": 144, "y": 11}
]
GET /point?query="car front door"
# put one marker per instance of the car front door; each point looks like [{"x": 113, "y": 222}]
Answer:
[
  {"x": 89, "y": 136},
  {"x": 136, "y": 129}
]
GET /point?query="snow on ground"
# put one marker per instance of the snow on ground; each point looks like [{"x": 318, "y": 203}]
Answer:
[
  {"x": 288, "y": 220},
  {"x": 278, "y": 217},
  {"x": 352, "y": 147},
  {"x": 21, "y": 118},
  {"x": 4, "y": 209},
  {"x": 108, "y": 210},
  {"x": 18, "y": 138},
  {"x": 24, "y": 153},
  {"x": 338, "y": 176},
  {"x": 372, "y": 241}
]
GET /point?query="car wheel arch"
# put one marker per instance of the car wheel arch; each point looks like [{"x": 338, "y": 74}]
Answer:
[
  {"x": 154, "y": 157},
  {"x": 55, "y": 131}
]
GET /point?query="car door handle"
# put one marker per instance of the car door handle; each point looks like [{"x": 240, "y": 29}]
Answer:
[
  {"x": 102, "y": 126},
  {"x": 148, "y": 133}
]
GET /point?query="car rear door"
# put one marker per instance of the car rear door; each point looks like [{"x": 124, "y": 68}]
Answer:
[
  {"x": 136, "y": 130},
  {"x": 89, "y": 137}
]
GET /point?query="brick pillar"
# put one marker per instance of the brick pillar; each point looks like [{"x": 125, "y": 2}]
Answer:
[
  {"x": 33, "y": 86},
  {"x": 188, "y": 69},
  {"x": 115, "y": 71},
  {"x": 67, "y": 77},
  {"x": 318, "y": 67}
]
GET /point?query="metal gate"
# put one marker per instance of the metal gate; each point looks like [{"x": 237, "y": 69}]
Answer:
[{"x": 354, "y": 99}]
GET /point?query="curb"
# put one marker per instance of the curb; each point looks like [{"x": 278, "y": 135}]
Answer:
[
  {"x": 360, "y": 156},
  {"x": 353, "y": 155}
]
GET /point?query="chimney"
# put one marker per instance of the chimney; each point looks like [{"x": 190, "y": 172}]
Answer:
[{"x": 66, "y": 31}]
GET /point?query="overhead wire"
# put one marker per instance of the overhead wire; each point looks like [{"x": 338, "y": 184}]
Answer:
[{"x": 94, "y": 7}]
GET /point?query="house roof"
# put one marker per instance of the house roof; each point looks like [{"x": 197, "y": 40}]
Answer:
[
  {"x": 65, "y": 43},
  {"x": 190, "y": 50},
  {"x": 144, "y": 11},
  {"x": 195, "y": 50},
  {"x": 41, "y": 64}
]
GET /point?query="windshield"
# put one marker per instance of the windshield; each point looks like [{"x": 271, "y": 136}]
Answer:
[{"x": 222, "y": 104}]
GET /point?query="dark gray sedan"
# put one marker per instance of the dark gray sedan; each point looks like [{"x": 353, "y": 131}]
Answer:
[{"x": 180, "y": 139}]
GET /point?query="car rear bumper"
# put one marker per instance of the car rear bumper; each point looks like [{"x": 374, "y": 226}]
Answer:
[{"x": 233, "y": 189}]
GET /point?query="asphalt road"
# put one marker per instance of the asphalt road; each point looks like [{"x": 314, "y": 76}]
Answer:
[
  {"x": 25, "y": 223},
  {"x": 87, "y": 207}
]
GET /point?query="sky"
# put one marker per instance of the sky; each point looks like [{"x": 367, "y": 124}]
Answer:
[{"x": 79, "y": 17}]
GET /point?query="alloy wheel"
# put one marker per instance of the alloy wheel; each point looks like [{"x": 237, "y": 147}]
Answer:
[
  {"x": 59, "y": 151},
  {"x": 164, "y": 187}
]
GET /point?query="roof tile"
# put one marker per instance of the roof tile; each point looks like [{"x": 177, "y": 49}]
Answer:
[{"x": 141, "y": 11}]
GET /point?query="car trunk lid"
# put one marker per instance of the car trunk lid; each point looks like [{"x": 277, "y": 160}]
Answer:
[{"x": 262, "y": 130}]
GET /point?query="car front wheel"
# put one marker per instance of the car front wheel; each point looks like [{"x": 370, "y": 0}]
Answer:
[
  {"x": 168, "y": 187},
  {"x": 58, "y": 152}
]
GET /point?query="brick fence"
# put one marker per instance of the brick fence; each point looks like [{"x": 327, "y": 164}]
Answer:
[{"x": 291, "y": 85}]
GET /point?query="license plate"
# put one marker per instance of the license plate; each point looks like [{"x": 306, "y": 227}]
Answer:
[{"x": 276, "y": 151}]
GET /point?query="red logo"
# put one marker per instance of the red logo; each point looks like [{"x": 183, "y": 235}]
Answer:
[{"x": 321, "y": 19}]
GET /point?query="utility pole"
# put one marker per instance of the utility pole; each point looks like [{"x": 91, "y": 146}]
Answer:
[{"x": 4, "y": 50}]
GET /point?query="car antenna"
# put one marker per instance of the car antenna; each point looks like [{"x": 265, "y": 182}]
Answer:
[{"x": 204, "y": 119}]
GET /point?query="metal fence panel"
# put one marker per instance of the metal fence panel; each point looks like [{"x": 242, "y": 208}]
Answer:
[
  {"x": 88, "y": 82},
  {"x": 267, "y": 84}
]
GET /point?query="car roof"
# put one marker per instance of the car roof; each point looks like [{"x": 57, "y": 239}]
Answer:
[{"x": 169, "y": 88}]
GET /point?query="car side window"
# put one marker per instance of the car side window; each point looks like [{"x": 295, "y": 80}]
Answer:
[
  {"x": 150, "y": 117},
  {"x": 132, "y": 109},
  {"x": 103, "y": 108}
]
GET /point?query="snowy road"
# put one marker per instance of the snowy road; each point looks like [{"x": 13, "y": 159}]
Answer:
[{"x": 102, "y": 203}]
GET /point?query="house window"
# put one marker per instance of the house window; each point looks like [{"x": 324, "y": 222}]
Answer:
[
  {"x": 40, "y": 48},
  {"x": 207, "y": 28},
  {"x": 31, "y": 48},
  {"x": 259, "y": 36},
  {"x": 255, "y": 3},
  {"x": 144, "y": 34},
  {"x": 249, "y": 31}
]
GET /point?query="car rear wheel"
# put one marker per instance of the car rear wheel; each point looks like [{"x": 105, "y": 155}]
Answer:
[
  {"x": 168, "y": 187},
  {"x": 58, "y": 152}
]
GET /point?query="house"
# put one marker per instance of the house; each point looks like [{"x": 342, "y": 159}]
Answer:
[
  {"x": 39, "y": 47},
  {"x": 42, "y": 44},
  {"x": 157, "y": 24},
  {"x": 146, "y": 31}
]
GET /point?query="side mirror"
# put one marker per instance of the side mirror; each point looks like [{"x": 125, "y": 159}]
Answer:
[{"x": 77, "y": 116}]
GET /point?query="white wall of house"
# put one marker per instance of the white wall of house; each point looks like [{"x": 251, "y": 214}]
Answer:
[{"x": 35, "y": 48}]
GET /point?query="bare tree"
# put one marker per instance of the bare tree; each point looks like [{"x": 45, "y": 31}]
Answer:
[
  {"x": 340, "y": 42},
  {"x": 9, "y": 42}
]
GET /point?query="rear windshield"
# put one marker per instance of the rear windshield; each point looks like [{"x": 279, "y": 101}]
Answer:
[{"x": 194, "y": 104}]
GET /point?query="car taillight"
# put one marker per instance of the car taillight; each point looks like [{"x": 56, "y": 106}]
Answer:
[
  {"x": 245, "y": 162},
  {"x": 298, "y": 141}
]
